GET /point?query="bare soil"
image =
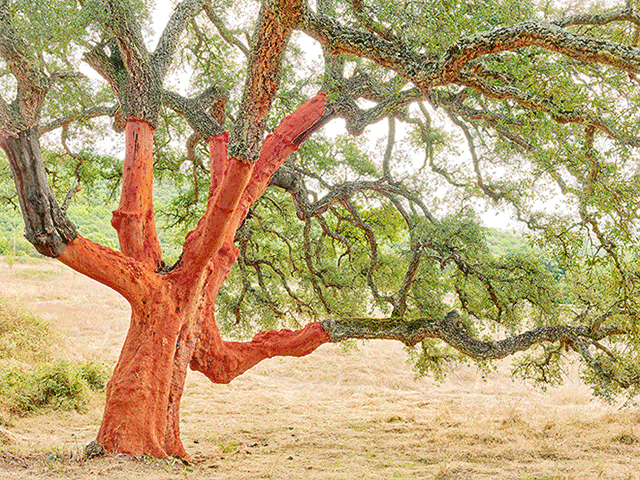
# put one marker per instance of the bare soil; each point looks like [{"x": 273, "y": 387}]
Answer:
[{"x": 336, "y": 414}]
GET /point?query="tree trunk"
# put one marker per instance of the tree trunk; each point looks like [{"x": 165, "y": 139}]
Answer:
[
  {"x": 143, "y": 396},
  {"x": 134, "y": 220},
  {"x": 167, "y": 335},
  {"x": 173, "y": 318}
]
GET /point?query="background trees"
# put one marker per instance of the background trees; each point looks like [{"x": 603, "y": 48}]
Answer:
[{"x": 532, "y": 109}]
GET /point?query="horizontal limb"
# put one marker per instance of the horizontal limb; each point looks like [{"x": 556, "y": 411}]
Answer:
[
  {"x": 448, "y": 329},
  {"x": 224, "y": 361}
]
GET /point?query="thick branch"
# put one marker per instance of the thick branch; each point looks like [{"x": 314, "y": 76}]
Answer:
[
  {"x": 217, "y": 224},
  {"x": 168, "y": 42},
  {"x": 526, "y": 34},
  {"x": 134, "y": 220},
  {"x": 132, "y": 279},
  {"x": 340, "y": 39},
  {"x": 276, "y": 148},
  {"x": 624, "y": 15},
  {"x": 107, "y": 67},
  {"x": 46, "y": 225},
  {"x": 271, "y": 36},
  {"x": 451, "y": 331},
  {"x": 144, "y": 85},
  {"x": 234, "y": 358},
  {"x": 357, "y": 119},
  {"x": 33, "y": 83},
  {"x": 285, "y": 140},
  {"x": 194, "y": 110},
  {"x": 428, "y": 71},
  {"x": 127, "y": 32}
]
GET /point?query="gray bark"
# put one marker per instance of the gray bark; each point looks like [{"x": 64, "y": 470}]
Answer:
[
  {"x": 451, "y": 331},
  {"x": 46, "y": 225}
]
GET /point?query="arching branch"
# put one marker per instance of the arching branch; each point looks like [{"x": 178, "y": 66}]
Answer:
[
  {"x": 536, "y": 104},
  {"x": 429, "y": 71},
  {"x": 93, "y": 112},
  {"x": 194, "y": 110},
  {"x": 624, "y": 15},
  {"x": 222, "y": 29}
]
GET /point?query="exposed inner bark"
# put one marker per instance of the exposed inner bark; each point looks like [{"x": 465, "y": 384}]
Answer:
[
  {"x": 134, "y": 220},
  {"x": 173, "y": 318}
]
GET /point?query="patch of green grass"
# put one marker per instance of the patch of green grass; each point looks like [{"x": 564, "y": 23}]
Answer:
[
  {"x": 61, "y": 385},
  {"x": 23, "y": 336},
  {"x": 23, "y": 258},
  {"x": 230, "y": 447},
  {"x": 96, "y": 375},
  {"x": 28, "y": 382}
]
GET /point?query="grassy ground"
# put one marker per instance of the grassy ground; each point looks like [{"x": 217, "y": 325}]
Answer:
[{"x": 333, "y": 415}]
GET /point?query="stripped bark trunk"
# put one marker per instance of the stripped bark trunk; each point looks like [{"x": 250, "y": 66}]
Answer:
[
  {"x": 134, "y": 220},
  {"x": 173, "y": 315}
]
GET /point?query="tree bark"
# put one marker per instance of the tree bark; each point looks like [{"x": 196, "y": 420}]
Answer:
[
  {"x": 46, "y": 225},
  {"x": 136, "y": 413},
  {"x": 134, "y": 220},
  {"x": 173, "y": 315}
]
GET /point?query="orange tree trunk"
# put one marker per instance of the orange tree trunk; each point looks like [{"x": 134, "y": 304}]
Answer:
[{"x": 172, "y": 315}]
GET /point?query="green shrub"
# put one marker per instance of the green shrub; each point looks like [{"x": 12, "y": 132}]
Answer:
[
  {"x": 26, "y": 388},
  {"x": 96, "y": 375},
  {"x": 62, "y": 385}
]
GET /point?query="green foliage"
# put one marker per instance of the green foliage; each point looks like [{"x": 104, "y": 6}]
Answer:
[
  {"x": 12, "y": 241},
  {"x": 614, "y": 373},
  {"x": 26, "y": 384},
  {"x": 62, "y": 385},
  {"x": 543, "y": 366},
  {"x": 433, "y": 358},
  {"x": 436, "y": 24}
]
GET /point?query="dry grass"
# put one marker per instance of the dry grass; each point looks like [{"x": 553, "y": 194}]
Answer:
[{"x": 333, "y": 415}]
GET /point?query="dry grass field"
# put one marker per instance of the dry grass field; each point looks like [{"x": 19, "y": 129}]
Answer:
[{"x": 336, "y": 414}]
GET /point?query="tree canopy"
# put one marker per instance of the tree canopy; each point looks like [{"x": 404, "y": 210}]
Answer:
[{"x": 529, "y": 107}]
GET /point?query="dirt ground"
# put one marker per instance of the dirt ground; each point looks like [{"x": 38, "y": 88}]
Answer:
[{"x": 336, "y": 414}]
